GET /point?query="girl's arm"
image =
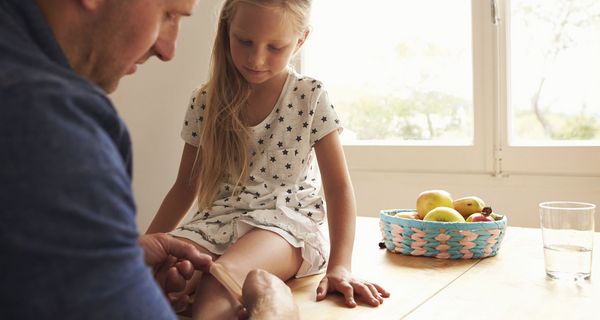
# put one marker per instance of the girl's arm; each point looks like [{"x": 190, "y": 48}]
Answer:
[
  {"x": 181, "y": 196},
  {"x": 341, "y": 217}
]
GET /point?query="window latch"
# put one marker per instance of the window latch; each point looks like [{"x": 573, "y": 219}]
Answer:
[{"x": 495, "y": 17}]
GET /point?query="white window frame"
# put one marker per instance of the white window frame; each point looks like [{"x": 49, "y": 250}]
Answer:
[{"x": 491, "y": 152}]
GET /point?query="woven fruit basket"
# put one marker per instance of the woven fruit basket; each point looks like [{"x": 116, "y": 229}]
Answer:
[{"x": 443, "y": 240}]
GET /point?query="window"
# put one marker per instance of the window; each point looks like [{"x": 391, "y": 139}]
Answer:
[{"x": 496, "y": 87}]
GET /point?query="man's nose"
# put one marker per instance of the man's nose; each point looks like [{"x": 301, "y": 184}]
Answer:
[{"x": 164, "y": 47}]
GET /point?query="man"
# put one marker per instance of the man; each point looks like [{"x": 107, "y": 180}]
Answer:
[{"x": 69, "y": 247}]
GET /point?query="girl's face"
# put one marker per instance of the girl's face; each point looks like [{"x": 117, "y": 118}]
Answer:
[{"x": 261, "y": 42}]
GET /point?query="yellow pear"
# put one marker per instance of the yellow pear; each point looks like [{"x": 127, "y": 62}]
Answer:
[
  {"x": 444, "y": 214},
  {"x": 466, "y": 206},
  {"x": 431, "y": 199}
]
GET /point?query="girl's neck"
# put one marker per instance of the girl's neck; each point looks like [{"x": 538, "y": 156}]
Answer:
[
  {"x": 272, "y": 85},
  {"x": 263, "y": 98}
]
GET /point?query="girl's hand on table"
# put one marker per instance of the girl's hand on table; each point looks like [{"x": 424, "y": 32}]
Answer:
[{"x": 340, "y": 279}]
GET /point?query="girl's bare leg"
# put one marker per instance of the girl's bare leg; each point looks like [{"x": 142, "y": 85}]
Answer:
[{"x": 258, "y": 248}]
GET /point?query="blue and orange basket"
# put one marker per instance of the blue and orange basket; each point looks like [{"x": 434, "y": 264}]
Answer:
[{"x": 442, "y": 240}]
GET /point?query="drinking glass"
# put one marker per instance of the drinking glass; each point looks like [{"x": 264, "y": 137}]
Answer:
[{"x": 568, "y": 237}]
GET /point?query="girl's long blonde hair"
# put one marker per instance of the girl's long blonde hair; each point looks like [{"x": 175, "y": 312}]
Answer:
[{"x": 223, "y": 151}]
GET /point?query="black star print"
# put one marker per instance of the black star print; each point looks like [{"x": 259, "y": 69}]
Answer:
[
  {"x": 288, "y": 166},
  {"x": 263, "y": 169},
  {"x": 276, "y": 177},
  {"x": 312, "y": 112},
  {"x": 319, "y": 86},
  {"x": 251, "y": 164},
  {"x": 296, "y": 209},
  {"x": 298, "y": 138},
  {"x": 267, "y": 126},
  {"x": 226, "y": 188},
  {"x": 337, "y": 121},
  {"x": 305, "y": 125},
  {"x": 201, "y": 119},
  {"x": 192, "y": 107},
  {"x": 290, "y": 105},
  {"x": 238, "y": 199},
  {"x": 281, "y": 119},
  {"x": 193, "y": 99},
  {"x": 277, "y": 110},
  {"x": 186, "y": 123},
  {"x": 261, "y": 141},
  {"x": 313, "y": 131},
  {"x": 194, "y": 134},
  {"x": 332, "y": 107},
  {"x": 324, "y": 119},
  {"x": 273, "y": 159},
  {"x": 296, "y": 153},
  {"x": 310, "y": 214},
  {"x": 301, "y": 188},
  {"x": 302, "y": 96},
  {"x": 253, "y": 152},
  {"x": 295, "y": 88},
  {"x": 203, "y": 92},
  {"x": 313, "y": 89},
  {"x": 252, "y": 178},
  {"x": 318, "y": 206},
  {"x": 300, "y": 113},
  {"x": 265, "y": 185},
  {"x": 285, "y": 152},
  {"x": 287, "y": 199},
  {"x": 206, "y": 215},
  {"x": 203, "y": 107},
  {"x": 289, "y": 128},
  {"x": 280, "y": 144},
  {"x": 289, "y": 191}
]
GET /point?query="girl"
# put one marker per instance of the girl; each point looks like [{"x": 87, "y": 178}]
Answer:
[{"x": 252, "y": 133}]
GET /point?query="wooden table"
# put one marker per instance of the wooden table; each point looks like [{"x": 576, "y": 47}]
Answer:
[{"x": 511, "y": 285}]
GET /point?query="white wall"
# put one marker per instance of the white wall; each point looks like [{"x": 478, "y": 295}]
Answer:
[{"x": 153, "y": 103}]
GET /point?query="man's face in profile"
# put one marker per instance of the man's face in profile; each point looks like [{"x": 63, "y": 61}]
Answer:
[{"x": 130, "y": 32}]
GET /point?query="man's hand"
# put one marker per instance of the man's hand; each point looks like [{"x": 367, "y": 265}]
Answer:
[
  {"x": 173, "y": 262},
  {"x": 266, "y": 297}
]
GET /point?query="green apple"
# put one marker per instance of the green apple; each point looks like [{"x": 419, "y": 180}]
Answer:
[
  {"x": 431, "y": 199},
  {"x": 444, "y": 214}
]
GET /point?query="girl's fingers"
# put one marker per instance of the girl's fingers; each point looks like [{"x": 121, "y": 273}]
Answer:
[
  {"x": 384, "y": 293},
  {"x": 322, "y": 289},
  {"x": 365, "y": 293},
  {"x": 346, "y": 289}
]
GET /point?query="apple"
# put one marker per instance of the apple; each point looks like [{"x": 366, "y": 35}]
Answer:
[
  {"x": 444, "y": 214},
  {"x": 483, "y": 216},
  {"x": 431, "y": 199},
  {"x": 407, "y": 215}
]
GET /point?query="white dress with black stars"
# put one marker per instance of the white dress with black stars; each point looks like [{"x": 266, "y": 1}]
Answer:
[{"x": 282, "y": 194}]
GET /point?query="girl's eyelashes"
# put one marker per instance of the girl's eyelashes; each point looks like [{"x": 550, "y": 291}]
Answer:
[
  {"x": 249, "y": 43},
  {"x": 245, "y": 42},
  {"x": 274, "y": 49}
]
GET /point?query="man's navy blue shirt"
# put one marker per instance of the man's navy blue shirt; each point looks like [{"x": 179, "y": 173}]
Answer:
[{"x": 68, "y": 239}]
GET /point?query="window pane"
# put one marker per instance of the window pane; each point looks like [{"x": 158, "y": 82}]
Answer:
[
  {"x": 555, "y": 71},
  {"x": 397, "y": 70}
]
